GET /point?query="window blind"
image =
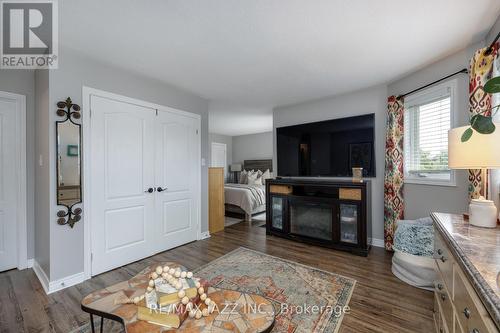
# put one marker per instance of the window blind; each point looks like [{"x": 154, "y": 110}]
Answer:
[{"x": 426, "y": 137}]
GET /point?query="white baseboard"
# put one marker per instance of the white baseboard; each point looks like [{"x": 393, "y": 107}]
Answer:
[
  {"x": 376, "y": 242},
  {"x": 42, "y": 277},
  {"x": 30, "y": 262},
  {"x": 204, "y": 235},
  {"x": 53, "y": 286}
]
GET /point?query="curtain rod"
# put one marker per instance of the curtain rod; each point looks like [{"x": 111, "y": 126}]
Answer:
[
  {"x": 464, "y": 71},
  {"x": 490, "y": 48}
]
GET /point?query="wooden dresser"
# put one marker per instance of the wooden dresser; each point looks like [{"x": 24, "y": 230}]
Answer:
[
  {"x": 215, "y": 199},
  {"x": 467, "y": 263}
]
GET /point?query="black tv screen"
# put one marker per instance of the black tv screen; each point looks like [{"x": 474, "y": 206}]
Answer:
[{"x": 328, "y": 148}]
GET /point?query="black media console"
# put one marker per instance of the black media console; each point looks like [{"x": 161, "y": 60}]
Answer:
[{"x": 335, "y": 214}]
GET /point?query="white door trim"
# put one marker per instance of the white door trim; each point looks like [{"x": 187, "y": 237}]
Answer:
[
  {"x": 87, "y": 92},
  {"x": 22, "y": 229}
]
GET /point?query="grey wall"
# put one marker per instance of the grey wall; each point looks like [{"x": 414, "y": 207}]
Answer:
[
  {"x": 423, "y": 199},
  {"x": 228, "y": 141},
  {"x": 22, "y": 82},
  {"x": 42, "y": 172},
  {"x": 76, "y": 71},
  {"x": 372, "y": 100},
  {"x": 252, "y": 147}
]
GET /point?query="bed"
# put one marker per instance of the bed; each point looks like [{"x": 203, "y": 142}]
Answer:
[{"x": 243, "y": 200}]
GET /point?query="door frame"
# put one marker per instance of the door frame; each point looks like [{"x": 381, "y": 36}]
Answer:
[
  {"x": 87, "y": 93},
  {"x": 21, "y": 195}
]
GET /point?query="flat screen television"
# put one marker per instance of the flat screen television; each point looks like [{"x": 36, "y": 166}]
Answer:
[{"x": 329, "y": 148}]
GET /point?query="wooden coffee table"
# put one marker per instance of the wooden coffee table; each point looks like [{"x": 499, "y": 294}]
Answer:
[{"x": 236, "y": 310}]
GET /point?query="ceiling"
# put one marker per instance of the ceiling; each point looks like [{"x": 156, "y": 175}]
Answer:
[{"x": 256, "y": 54}]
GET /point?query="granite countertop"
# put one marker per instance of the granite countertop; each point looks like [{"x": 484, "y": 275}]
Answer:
[{"x": 477, "y": 251}]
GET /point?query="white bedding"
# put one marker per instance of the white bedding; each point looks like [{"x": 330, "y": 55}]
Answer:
[{"x": 247, "y": 197}]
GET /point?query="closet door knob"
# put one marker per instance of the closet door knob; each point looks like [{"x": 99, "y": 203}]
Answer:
[
  {"x": 159, "y": 189},
  {"x": 149, "y": 190}
]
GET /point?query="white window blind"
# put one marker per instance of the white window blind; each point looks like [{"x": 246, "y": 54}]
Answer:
[{"x": 428, "y": 117}]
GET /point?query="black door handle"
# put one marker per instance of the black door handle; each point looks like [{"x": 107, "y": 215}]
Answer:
[
  {"x": 149, "y": 190},
  {"x": 159, "y": 189}
]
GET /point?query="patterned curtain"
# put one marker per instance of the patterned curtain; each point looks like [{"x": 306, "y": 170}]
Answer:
[
  {"x": 495, "y": 174},
  {"x": 480, "y": 71},
  {"x": 393, "y": 176}
]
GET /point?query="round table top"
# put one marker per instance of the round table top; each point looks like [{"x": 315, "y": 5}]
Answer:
[{"x": 235, "y": 311}]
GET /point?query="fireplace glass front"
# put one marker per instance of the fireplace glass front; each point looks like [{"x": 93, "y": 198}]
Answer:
[{"x": 311, "y": 219}]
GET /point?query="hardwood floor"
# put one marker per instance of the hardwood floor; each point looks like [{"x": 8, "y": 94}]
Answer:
[{"x": 380, "y": 302}]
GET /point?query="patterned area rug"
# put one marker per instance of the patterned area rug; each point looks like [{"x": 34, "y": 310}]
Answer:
[{"x": 306, "y": 299}]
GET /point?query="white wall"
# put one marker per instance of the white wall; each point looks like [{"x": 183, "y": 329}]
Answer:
[
  {"x": 76, "y": 71},
  {"x": 421, "y": 200},
  {"x": 22, "y": 82},
  {"x": 228, "y": 141},
  {"x": 252, "y": 147},
  {"x": 371, "y": 100}
]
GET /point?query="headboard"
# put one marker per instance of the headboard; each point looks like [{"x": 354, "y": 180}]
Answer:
[{"x": 261, "y": 165}]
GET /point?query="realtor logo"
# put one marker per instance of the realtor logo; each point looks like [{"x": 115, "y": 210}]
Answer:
[{"x": 29, "y": 34}]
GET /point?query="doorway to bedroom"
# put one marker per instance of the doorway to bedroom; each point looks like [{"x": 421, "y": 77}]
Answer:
[{"x": 245, "y": 133}]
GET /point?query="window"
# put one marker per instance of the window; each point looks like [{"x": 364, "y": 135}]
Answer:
[{"x": 429, "y": 115}]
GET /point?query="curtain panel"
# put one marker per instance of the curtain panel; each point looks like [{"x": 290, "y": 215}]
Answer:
[
  {"x": 393, "y": 175},
  {"x": 480, "y": 71}
]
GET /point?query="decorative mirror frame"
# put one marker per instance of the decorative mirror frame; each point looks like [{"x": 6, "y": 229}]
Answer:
[{"x": 69, "y": 111}]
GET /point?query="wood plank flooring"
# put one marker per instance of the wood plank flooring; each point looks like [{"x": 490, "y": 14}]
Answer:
[{"x": 380, "y": 302}]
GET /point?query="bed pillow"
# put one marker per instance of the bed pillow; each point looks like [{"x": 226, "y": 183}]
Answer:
[
  {"x": 266, "y": 175},
  {"x": 243, "y": 177},
  {"x": 254, "y": 179}
]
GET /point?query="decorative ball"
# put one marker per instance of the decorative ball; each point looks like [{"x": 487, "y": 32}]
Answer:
[
  {"x": 198, "y": 314},
  {"x": 181, "y": 293},
  {"x": 151, "y": 283},
  {"x": 136, "y": 300},
  {"x": 166, "y": 269},
  {"x": 164, "y": 275},
  {"x": 192, "y": 314},
  {"x": 159, "y": 270},
  {"x": 178, "y": 286},
  {"x": 142, "y": 297},
  {"x": 201, "y": 290},
  {"x": 208, "y": 301},
  {"x": 197, "y": 284},
  {"x": 154, "y": 276},
  {"x": 171, "y": 271},
  {"x": 203, "y": 297},
  {"x": 189, "y": 275},
  {"x": 183, "y": 275},
  {"x": 177, "y": 274},
  {"x": 185, "y": 300},
  {"x": 150, "y": 289},
  {"x": 205, "y": 312}
]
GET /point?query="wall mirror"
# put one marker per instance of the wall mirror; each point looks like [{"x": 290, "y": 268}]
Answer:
[{"x": 68, "y": 150}]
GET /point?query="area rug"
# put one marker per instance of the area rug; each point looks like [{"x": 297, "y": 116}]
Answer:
[{"x": 306, "y": 299}]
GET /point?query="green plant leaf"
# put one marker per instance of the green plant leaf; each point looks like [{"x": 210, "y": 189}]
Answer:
[
  {"x": 482, "y": 124},
  {"x": 467, "y": 134},
  {"x": 493, "y": 85}
]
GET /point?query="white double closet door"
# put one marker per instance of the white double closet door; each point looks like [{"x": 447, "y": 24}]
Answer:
[{"x": 145, "y": 181}]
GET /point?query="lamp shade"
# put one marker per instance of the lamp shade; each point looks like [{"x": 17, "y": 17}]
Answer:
[
  {"x": 235, "y": 167},
  {"x": 481, "y": 151}
]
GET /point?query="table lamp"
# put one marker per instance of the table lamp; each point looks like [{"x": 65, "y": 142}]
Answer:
[
  {"x": 481, "y": 151},
  {"x": 235, "y": 168}
]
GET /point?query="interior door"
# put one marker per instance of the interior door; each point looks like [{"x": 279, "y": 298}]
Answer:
[
  {"x": 219, "y": 156},
  {"x": 8, "y": 183},
  {"x": 177, "y": 172},
  {"x": 122, "y": 183}
]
